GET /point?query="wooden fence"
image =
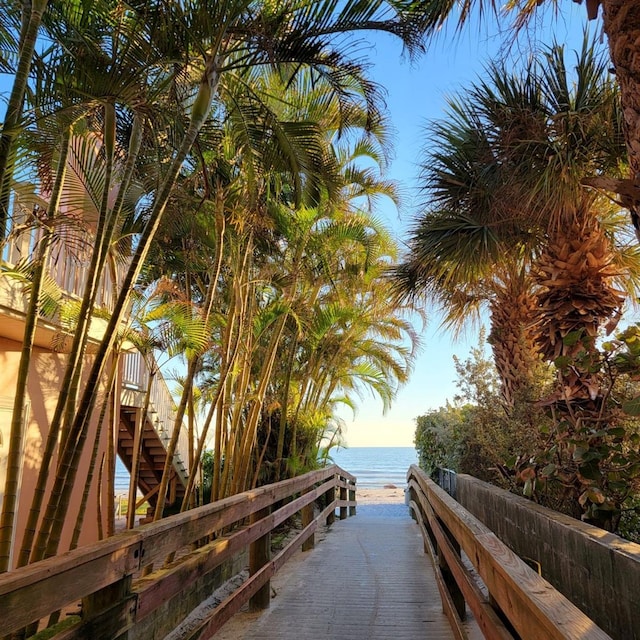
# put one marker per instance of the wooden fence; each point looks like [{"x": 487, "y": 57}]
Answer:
[
  {"x": 128, "y": 584},
  {"x": 512, "y": 600}
]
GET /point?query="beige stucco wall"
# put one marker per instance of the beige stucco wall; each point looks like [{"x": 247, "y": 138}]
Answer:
[{"x": 47, "y": 369}]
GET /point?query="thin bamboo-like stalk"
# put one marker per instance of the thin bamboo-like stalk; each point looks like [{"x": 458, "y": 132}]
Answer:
[
  {"x": 111, "y": 386},
  {"x": 67, "y": 467},
  {"x": 32, "y": 18},
  {"x": 27, "y": 552},
  {"x": 9, "y": 503}
]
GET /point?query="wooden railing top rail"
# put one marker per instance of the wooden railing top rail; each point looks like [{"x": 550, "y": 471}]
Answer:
[
  {"x": 33, "y": 592},
  {"x": 533, "y": 607}
]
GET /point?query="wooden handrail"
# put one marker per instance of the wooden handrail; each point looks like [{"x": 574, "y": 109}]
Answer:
[
  {"x": 532, "y": 607},
  {"x": 101, "y": 575}
]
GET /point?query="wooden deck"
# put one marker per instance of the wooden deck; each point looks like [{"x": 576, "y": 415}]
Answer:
[{"x": 369, "y": 579}]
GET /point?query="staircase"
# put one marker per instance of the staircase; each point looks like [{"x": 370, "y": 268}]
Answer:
[{"x": 157, "y": 427}]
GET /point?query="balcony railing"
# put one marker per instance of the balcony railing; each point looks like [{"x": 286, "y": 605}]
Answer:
[
  {"x": 68, "y": 267},
  {"x": 68, "y": 262}
]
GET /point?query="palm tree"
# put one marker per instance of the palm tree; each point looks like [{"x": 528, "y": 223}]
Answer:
[
  {"x": 468, "y": 250},
  {"x": 507, "y": 197},
  {"x": 621, "y": 24}
]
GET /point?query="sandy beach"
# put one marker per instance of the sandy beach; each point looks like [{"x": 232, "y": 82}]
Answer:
[{"x": 388, "y": 495}]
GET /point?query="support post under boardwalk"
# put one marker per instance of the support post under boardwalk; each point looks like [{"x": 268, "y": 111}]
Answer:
[
  {"x": 331, "y": 496},
  {"x": 259, "y": 555},
  {"x": 307, "y": 519},
  {"x": 108, "y": 612},
  {"x": 352, "y": 498},
  {"x": 343, "y": 509},
  {"x": 457, "y": 597}
]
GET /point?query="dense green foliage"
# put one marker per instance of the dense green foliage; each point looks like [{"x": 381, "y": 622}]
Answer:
[{"x": 588, "y": 468}]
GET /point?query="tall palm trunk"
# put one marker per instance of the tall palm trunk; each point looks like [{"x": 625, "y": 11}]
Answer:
[
  {"x": 31, "y": 25},
  {"x": 251, "y": 425},
  {"x": 104, "y": 411},
  {"x": 512, "y": 338},
  {"x": 284, "y": 410},
  {"x": 31, "y": 321},
  {"x": 622, "y": 26}
]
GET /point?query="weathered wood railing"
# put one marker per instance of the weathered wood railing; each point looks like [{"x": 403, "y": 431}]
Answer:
[
  {"x": 514, "y": 602},
  {"x": 127, "y": 588}
]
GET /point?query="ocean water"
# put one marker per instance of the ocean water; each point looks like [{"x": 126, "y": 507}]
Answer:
[
  {"x": 374, "y": 467},
  {"x": 121, "y": 483}
]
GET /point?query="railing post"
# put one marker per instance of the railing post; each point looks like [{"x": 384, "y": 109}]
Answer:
[
  {"x": 343, "y": 498},
  {"x": 352, "y": 498},
  {"x": 107, "y": 613},
  {"x": 307, "y": 519},
  {"x": 331, "y": 496},
  {"x": 259, "y": 555}
]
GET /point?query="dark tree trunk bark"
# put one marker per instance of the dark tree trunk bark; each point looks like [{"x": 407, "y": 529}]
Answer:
[{"x": 622, "y": 26}]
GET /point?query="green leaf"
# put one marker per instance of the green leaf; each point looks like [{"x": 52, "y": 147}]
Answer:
[
  {"x": 589, "y": 471},
  {"x": 572, "y": 338},
  {"x": 579, "y": 452},
  {"x": 632, "y": 407},
  {"x": 548, "y": 470}
]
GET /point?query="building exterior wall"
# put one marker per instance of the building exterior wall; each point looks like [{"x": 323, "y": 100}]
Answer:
[{"x": 46, "y": 372}]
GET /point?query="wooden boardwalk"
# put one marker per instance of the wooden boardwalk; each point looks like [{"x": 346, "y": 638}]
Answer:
[{"x": 368, "y": 580}]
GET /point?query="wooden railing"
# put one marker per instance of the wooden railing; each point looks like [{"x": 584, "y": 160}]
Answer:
[
  {"x": 67, "y": 267},
  {"x": 126, "y": 586},
  {"x": 512, "y": 600}
]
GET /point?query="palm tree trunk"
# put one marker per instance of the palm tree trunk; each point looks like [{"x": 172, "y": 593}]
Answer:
[
  {"x": 622, "y": 26},
  {"x": 13, "y": 114},
  {"x": 285, "y": 406},
  {"x": 251, "y": 425},
  {"x": 94, "y": 456},
  {"x": 512, "y": 338},
  {"x": 213, "y": 409}
]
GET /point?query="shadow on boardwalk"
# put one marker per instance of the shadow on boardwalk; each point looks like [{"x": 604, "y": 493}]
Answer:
[{"x": 368, "y": 579}]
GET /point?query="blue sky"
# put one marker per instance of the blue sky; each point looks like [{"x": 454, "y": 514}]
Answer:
[{"x": 416, "y": 93}]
